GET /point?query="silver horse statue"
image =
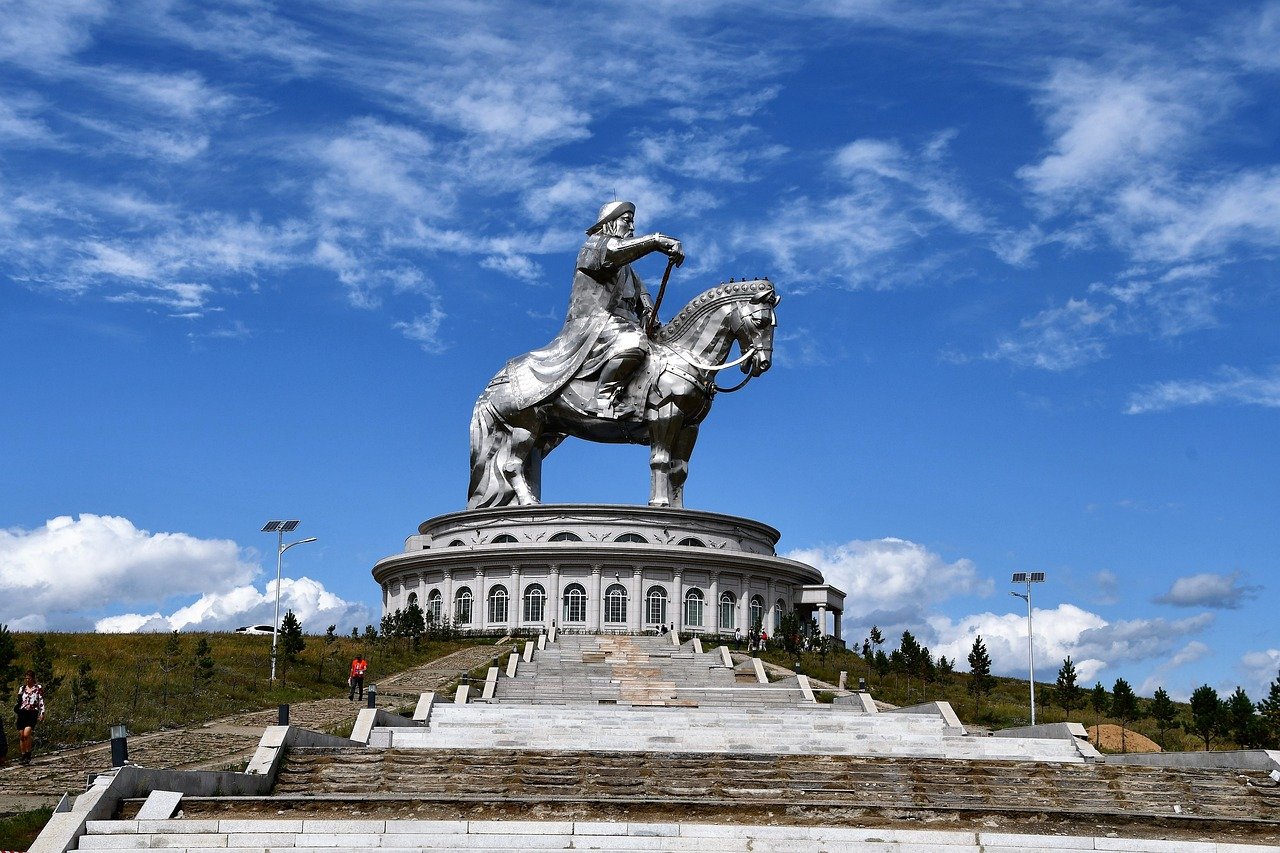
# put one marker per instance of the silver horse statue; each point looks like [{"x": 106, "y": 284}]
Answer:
[{"x": 677, "y": 385}]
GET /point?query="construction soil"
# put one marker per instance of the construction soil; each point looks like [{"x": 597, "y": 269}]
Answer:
[{"x": 1110, "y": 740}]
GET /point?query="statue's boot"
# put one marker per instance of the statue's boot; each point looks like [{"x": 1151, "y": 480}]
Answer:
[{"x": 611, "y": 396}]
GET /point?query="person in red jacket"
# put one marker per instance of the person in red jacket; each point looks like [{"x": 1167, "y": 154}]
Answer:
[{"x": 356, "y": 682}]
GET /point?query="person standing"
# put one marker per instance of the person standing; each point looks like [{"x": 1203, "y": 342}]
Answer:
[
  {"x": 30, "y": 711},
  {"x": 356, "y": 682}
]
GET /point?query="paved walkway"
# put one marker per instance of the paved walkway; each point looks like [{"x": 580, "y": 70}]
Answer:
[{"x": 225, "y": 743}]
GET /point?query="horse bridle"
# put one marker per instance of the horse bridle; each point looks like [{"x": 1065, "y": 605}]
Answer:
[{"x": 750, "y": 353}]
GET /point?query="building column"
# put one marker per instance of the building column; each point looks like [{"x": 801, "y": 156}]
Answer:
[
  {"x": 837, "y": 614},
  {"x": 480, "y": 605},
  {"x": 595, "y": 606},
  {"x": 553, "y": 613},
  {"x": 677, "y": 618},
  {"x": 635, "y": 615},
  {"x": 447, "y": 610},
  {"x": 516, "y": 601},
  {"x": 770, "y": 606},
  {"x": 822, "y": 620},
  {"x": 714, "y": 622}
]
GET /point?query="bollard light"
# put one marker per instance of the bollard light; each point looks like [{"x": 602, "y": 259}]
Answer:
[
  {"x": 283, "y": 715},
  {"x": 862, "y": 685},
  {"x": 119, "y": 745},
  {"x": 372, "y": 695}
]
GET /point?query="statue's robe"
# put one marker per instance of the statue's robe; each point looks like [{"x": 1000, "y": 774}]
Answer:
[{"x": 605, "y": 300}]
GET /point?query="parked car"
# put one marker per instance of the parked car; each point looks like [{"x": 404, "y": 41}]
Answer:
[{"x": 256, "y": 629}]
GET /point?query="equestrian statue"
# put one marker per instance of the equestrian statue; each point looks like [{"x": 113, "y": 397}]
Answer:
[{"x": 615, "y": 374}]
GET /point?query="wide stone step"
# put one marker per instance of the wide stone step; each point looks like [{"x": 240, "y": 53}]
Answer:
[
  {"x": 458, "y": 835},
  {"x": 786, "y": 780}
]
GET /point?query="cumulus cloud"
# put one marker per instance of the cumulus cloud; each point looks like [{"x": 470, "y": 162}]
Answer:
[
  {"x": 1093, "y": 643},
  {"x": 891, "y": 578},
  {"x": 1223, "y": 591},
  {"x": 1232, "y": 386},
  {"x": 72, "y": 566},
  {"x": 314, "y": 606}
]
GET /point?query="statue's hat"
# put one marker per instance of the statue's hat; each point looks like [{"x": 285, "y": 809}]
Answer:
[{"x": 610, "y": 212}]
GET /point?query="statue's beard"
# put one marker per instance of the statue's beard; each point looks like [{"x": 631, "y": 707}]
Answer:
[{"x": 617, "y": 228}]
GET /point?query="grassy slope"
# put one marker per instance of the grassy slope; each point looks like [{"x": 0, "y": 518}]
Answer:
[{"x": 143, "y": 687}]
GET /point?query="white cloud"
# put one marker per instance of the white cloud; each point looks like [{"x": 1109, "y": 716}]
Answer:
[
  {"x": 1093, "y": 643},
  {"x": 1222, "y": 591},
  {"x": 1232, "y": 386},
  {"x": 72, "y": 566},
  {"x": 42, "y": 34},
  {"x": 1057, "y": 634},
  {"x": 424, "y": 330},
  {"x": 891, "y": 576},
  {"x": 1260, "y": 669},
  {"x": 1059, "y": 338},
  {"x": 1159, "y": 677},
  {"x": 1109, "y": 124},
  {"x": 315, "y": 607}
]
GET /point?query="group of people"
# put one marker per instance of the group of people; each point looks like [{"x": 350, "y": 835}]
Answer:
[{"x": 29, "y": 710}]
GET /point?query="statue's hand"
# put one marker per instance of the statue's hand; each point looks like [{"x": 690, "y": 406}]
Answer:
[{"x": 672, "y": 248}]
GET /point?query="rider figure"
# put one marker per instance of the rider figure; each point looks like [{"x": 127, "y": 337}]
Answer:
[
  {"x": 605, "y": 284},
  {"x": 604, "y": 329}
]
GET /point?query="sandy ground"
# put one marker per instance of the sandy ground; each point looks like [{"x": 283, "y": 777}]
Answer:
[{"x": 1110, "y": 735}]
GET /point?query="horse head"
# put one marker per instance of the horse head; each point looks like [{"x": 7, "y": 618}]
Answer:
[{"x": 753, "y": 326}]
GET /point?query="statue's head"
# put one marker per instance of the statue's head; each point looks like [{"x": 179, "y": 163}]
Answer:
[{"x": 616, "y": 219}]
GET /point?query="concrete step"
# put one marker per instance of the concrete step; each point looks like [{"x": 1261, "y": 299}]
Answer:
[{"x": 412, "y": 835}]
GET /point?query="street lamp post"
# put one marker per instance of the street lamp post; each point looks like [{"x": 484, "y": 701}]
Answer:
[
  {"x": 280, "y": 528},
  {"x": 1029, "y": 578}
]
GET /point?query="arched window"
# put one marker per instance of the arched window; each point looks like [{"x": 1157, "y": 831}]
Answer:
[
  {"x": 779, "y": 609},
  {"x": 630, "y": 537},
  {"x": 457, "y": 543},
  {"x": 535, "y": 601},
  {"x": 615, "y": 603},
  {"x": 498, "y": 604},
  {"x": 566, "y": 536},
  {"x": 692, "y": 543},
  {"x": 462, "y": 606},
  {"x": 575, "y": 603},
  {"x": 693, "y": 608},
  {"x": 435, "y": 603},
  {"x": 502, "y": 538},
  {"x": 655, "y": 612},
  {"x": 727, "y": 611},
  {"x": 756, "y": 614},
  {"x": 413, "y": 599}
]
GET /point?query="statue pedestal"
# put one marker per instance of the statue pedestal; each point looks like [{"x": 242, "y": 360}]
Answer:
[{"x": 601, "y": 568}]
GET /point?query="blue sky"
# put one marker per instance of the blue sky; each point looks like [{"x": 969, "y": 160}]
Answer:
[{"x": 258, "y": 260}]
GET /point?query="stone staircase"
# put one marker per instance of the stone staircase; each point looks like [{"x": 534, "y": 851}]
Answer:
[
  {"x": 634, "y": 670},
  {"x": 732, "y": 781},
  {"x": 809, "y": 729}
]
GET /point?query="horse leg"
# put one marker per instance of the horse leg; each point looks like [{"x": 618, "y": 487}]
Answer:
[
  {"x": 664, "y": 426},
  {"x": 680, "y": 453}
]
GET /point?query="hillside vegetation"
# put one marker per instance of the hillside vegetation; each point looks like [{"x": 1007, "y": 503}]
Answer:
[{"x": 154, "y": 681}]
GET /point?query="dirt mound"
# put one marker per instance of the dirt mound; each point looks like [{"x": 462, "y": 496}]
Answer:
[{"x": 1110, "y": 739}]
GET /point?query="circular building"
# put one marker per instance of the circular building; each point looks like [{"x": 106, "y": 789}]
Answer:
[{"x": 602, "y": 568}]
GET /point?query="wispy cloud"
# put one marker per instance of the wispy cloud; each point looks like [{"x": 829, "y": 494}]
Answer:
[
  {"x": 1232, "y": 386},
  {"x": 1059, "y": 338}
]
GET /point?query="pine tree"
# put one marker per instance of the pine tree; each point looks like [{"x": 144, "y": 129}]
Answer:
[
  {"x": 291, "y": 641},
  {"x": 201, "y": 665},
  {"x": 84, "y": 689},
  {"x": 1248, "y": 730},
  {"x": 414, "y": 623},
  {"x": 980, "y": 680},
  {"x": 1066, "y": 692},
  {"x": 9, "y": 669},
  {"x": 42, "y": 665},
  {"x": 1124, "y": 707},
  {"x": 1208, "y": 714},
  {"x": 1100, "y": 702},
  {"x": 170, "y": 660},
  {"x": 945, "y": 669},
  {"x": 1269, "y": 708},
  {"x": 1163, "y": 711}
]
